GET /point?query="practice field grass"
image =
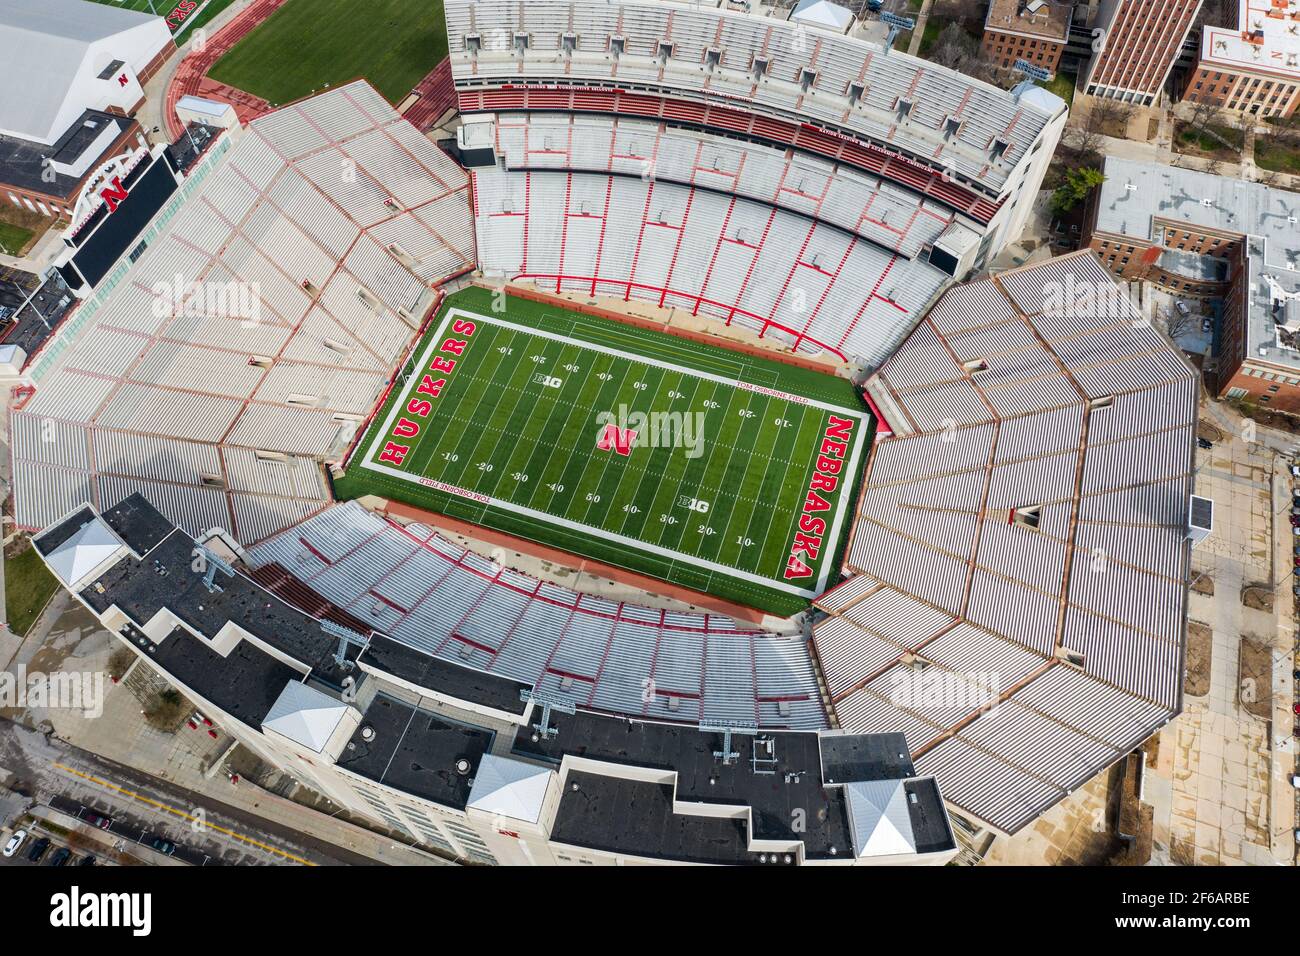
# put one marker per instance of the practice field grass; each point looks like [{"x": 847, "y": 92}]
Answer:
[
  {"x": 182, "y": 16},
  {"x": 717, "y": 471},
  {"x": 309, "y": 44}
]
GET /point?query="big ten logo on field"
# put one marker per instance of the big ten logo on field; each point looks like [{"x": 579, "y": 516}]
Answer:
[
  {"x": 432, "y": 381},
  {"x": 624, "y": 429}
]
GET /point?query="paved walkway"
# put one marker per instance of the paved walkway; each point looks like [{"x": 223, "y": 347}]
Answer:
[
  {"x": 1221, "y": 789},
  {"x": 918, "y": 31}
]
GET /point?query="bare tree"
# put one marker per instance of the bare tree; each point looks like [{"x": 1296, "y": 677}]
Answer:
[
  {"x": 958, "y": 50},
  {"x": 1175, "y": 323}
]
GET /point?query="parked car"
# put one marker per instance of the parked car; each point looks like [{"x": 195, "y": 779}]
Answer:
[
  {"x": 15, "y": 842},
  {"x": 38, "y": 850},
  {"x": 96, "y": 820},
  {"x": 88, "y": 860},
  {"x": 1204, "y": 443},
  {"x": 1182, "y": 308},
  {"x": 163, "y": 846},
  {"x": 60, "y": 856}
]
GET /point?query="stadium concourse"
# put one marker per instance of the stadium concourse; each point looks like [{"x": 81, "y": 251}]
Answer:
[{"x": 1030, "y": 477}]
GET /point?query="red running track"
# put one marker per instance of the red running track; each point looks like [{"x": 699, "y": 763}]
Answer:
[{"x": 192, "y": 74}]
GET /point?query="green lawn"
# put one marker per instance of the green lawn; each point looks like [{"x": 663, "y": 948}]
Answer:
[
  {"x": 14, "y": 238},
  {"x": 710, "y": 493},
  {"x": 1062, "y": 84},
  {"x": 307, "y": 45},
  {"x": 28, "y": 588},
  {"x": 1276, "y": 157}
]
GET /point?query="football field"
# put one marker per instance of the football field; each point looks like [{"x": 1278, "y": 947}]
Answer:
[
  {"x": 181, "y": 15},
  {"x": 707, "y": 468},
  {"x": 310, "y": 45}
]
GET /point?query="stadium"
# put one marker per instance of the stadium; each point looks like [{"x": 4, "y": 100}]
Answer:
[{"x": 662, "y": 440}]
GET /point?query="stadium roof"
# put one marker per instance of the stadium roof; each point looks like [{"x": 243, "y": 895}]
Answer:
[
  {"x": 1136, "y": 198},
  {"x": 43, "y": 46},
  {"x": 279, "y": 288},
  {"x": 1022, "y": 541}
]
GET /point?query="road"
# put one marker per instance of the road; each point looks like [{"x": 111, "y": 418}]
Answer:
[{"x": 205, "y": 831}]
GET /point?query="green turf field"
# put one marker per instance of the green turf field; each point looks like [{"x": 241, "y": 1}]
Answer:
[
  {"x": 307, "y": 45},
  {"x": 182, "y": 16},
  {"x": 522, "y": 422}
]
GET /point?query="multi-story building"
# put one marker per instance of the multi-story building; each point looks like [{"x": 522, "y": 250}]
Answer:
[
  {"x": 1254, "y": 68},
  {"x": 1035, "y": 31},
  {"x": 1200, "y": 235},
  {"x": 476, "y": 765},
  {"x": 75, "y": 77},
  {"x": 1135, "y": 45}
]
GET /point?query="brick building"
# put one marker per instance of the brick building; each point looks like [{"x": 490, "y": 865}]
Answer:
[
  {"x": 1254, "y": 67},
  {"x": 76, "y": 72},
  {"x": 1032, "y": 30},
  {"x": 1135, "y": 44},
  {"x": 1195, "y": 234}
]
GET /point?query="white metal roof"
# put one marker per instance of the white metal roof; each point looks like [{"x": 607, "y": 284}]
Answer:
[
  {"x": 305, "y": 715},
  {"x": 879, "y": 819},
  {"x": 823, "y": 13},
  {"x": 510, "y": 788},
  {"x": 43, "y": 46},
  {"x": 83, "y": 552}
]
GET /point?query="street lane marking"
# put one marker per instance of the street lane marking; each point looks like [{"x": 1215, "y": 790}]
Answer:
[{"x": 251, "y": 841}]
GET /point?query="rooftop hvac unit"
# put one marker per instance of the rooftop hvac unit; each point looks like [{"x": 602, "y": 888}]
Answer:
[{"x": 1200, "y": 519}]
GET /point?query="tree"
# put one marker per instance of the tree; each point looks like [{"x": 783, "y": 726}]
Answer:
[
  {"x": 958, "y": 50},
  {"x": 1074, "y": 189}
]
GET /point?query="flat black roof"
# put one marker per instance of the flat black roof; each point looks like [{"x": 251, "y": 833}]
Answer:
[
  {"x": 415, "y": 751},
  {"x": 852, "y": 757},
  {"x": 164, "y": 577},
  {"x": 637, "y": 818},
  {"x": 36, "y": 320},
  {"x": 245, "y": 683},
  {"x": 789, "y": 803},
  {"x": 138, "y": 523},
  {"x": 930, "y": 827},
  {"x": 22, "y": 161}
]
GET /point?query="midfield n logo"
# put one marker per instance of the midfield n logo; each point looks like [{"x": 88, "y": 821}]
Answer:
[{"x": 618, "y": 439}]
